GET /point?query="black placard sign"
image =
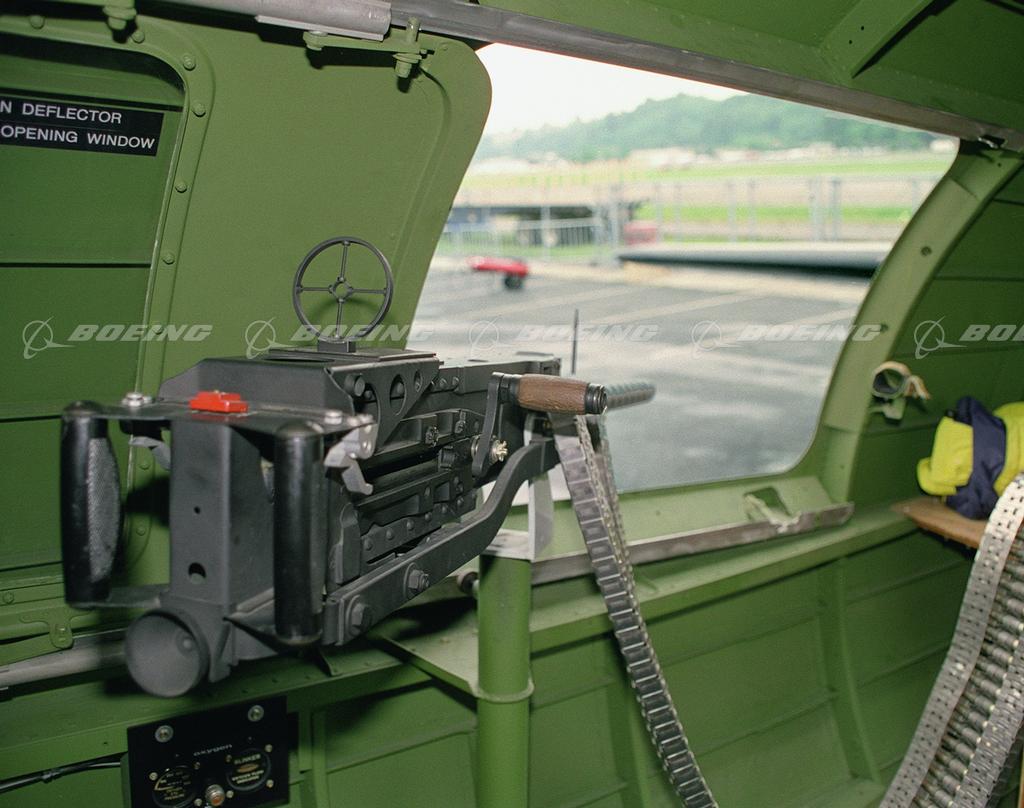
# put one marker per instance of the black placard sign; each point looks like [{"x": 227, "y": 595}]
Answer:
[{"x": 48, "y": 124}]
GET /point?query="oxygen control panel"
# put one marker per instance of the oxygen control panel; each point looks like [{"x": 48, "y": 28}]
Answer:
[{"x": 236, "y": 757}]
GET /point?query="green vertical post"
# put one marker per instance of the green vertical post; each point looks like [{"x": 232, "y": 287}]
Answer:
[{"x": 505, "y": 686}]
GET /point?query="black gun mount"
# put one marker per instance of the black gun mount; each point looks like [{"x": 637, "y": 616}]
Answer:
[
  {"x": 312, "y": 492},
  {"x": 319, "y": 495}
]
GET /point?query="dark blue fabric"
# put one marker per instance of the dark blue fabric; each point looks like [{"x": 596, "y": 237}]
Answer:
[{"x": 977, "y": 498}]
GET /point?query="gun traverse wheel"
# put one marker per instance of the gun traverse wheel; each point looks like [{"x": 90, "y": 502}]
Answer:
[{"x": 342, "y": 290}]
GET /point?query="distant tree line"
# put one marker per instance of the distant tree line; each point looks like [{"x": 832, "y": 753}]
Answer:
[{"x": 742, "y": 121}]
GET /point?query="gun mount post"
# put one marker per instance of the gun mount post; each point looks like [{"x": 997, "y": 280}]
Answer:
[{"x": 505, "y": 685}]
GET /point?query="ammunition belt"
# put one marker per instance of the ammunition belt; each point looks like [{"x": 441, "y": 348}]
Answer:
[
  {"x": 965, "y": 738},
  {"x": 583, "y": 449}
]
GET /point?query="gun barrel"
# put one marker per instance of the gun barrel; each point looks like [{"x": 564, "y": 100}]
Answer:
[{"x": 628, "y": 393}]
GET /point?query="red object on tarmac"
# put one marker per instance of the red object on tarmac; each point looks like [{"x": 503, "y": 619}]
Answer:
[
  {"x": 514, "y": 270},
  {"x": 640, "y": 232},
  {"x": 508, "y": 266}
]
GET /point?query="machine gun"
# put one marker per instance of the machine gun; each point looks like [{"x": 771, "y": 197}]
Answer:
[{"x": 312, "y": 491}]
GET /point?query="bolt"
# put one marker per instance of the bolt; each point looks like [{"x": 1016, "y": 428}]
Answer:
[
  {"x": 138, "y": 35},
  {"x": 355, "y": 385},
  {"x": 441, "y": 383},
  {"x": 270, "y": 783},
  {"x": 37, "y": 21},
  {"x": 135, "y": 399},
  {"x": 152, "y": 775},
  {"x": 168, "y": 257},
  {"x": 334, "y": 417},
  {"x": 409, "y": 525},
  {"x": 367, "y": 544},
  {"x": 360, "y": 617},
  {"x": 181, "y": 186},
  {"x": 188, "y": 61},
  {"x": 389, "y": 534},
  {"x": 416, "y": 580},
  {"x": 197, "y": 802},
  {"x": 164, "y": 733},
  {"x": 268, "y": 748},
  {"x": 256, "y": 713},
  {"x": 8, "y": 597},
  {"x": 230, "y": 793},
  {"x": 455, "y": 382},
  {"x": 63, "y": 638},
  {"x": 199, "y": 109},
  {"x": 499, "y": 451}
]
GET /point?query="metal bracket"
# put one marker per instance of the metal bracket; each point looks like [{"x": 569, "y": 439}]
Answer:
[
  {"x": 161, "y": 451},
  {"x": 765, "y": 503},
  {"x": 529, "y": 544},
  {"x": 356, "y": 445},
  {"x": 406, "y": 49}
]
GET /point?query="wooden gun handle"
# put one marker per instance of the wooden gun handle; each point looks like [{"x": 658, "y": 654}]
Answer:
[{"x": 535, "y": 391}]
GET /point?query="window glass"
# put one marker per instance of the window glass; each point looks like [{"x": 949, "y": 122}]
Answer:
[{"x": 715, "y": 243}]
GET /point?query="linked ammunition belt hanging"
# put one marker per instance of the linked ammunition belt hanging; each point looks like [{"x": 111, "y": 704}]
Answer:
[
  {"x": 964, "y": 740},
  {"x": 583, "y": 450}
]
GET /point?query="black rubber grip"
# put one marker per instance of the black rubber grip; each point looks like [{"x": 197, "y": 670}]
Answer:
[
  {"x": 90, "y": 505},
  {"x": 298, "y": 479}
]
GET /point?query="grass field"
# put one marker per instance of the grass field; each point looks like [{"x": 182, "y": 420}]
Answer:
[
  {"x": 924, "y": 163},
  {"x": 861, "y": 214}
]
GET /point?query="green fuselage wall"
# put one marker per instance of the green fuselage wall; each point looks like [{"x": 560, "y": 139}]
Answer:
[{"x": 799, "y": 666}]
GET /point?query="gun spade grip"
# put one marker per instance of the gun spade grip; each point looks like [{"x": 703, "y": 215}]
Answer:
[
  {"x": 555, "y": 394},
  {"x": 298, "y": 452},
  {"x": 90, "y": 505}
]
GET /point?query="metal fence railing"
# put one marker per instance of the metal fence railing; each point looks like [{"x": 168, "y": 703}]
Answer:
[
  {"x": 540, "y": 220},
  {"x": 573, "y": 239}
]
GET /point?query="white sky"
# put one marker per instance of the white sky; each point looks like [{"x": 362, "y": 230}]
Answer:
[{"x": 531, "y": 88}]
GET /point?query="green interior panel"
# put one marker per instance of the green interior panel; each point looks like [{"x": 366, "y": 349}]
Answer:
[{"x": 800, "y": 665}]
